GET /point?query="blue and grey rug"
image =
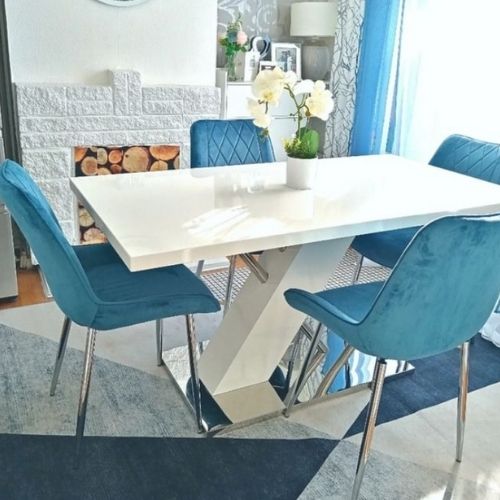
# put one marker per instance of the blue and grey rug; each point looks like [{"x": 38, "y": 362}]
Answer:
[{"x": 141, "y": 441}]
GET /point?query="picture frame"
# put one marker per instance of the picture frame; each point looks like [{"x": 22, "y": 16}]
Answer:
[{"x": 287, "y": 56}]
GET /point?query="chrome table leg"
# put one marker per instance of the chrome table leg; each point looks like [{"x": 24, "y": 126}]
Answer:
[
  {"x": 193, "y": 366},
  {"x": 463, "y": 388},
  {"x": 371, "y": 419},
  {"x": 357, "y": 270},
  {"x": 60, "y": 354},
  {"x": 230, "y": 280},
  {"x": 334, "y": 371},
  {"x": 84, "y": 390},
  {"x": 299, "y": 384},
  {"x": 159, "y": 341},
  {"x": 199, "y": 267}
]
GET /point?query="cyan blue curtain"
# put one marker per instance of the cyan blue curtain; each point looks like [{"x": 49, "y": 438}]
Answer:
[{"x": 379, "y": 41}]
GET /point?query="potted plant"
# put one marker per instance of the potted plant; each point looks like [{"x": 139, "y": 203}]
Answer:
[
  {"x": 311, "y": 99},
  {"x": 234, "y": 41}
]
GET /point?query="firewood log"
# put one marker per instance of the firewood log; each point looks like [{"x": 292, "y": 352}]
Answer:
[
  {"x": 84, "y": 218},
  {"x": 115, "y": 156},
  {"x": 89, "y": 165},
  {"x": 136, "y": 159},
  {"x": 103, "y": 171},
  {"x": 116, "y": 169},
  {"x": 159, "y": 165},
  {"x": 80, "y": 154},
  {"x": 164, "y": 152},
  {"x": 102, "y": 156},
  {"x": 94, "y": 235}
]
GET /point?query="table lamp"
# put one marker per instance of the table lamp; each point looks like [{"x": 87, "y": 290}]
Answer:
[{"x": 314, "y": 20}]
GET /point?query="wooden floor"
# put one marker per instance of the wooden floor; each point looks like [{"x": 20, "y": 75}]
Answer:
[{"x": 30, "y": 290}]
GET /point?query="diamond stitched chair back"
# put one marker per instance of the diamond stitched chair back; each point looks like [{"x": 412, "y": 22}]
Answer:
[
  {"x": 216, "y": 143},
  {"x": 456, "y": 153}
]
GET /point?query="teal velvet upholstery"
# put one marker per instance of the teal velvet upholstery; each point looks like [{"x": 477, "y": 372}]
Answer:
[
  {"x": 217, "y": 143},
  {"x": 457, "y": 153},
  {"x": 439, "y": 294},
  {"x": 91, "y": 284}
]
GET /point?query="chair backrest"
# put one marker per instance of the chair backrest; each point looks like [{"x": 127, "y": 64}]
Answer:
[
  {"x": 469, "y": 156},
  {"x": 62, "y": 269},
  {"x": 216, "y": 143},
  {"x": 441, "y": 291}
]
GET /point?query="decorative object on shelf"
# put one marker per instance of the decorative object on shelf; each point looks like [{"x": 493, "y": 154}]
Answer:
[
  {"x": 269, "y": 65},
  {"x": 247, "y": 63},
  {"x": 311, "y": 99},
  {"x": 287, "y": 56},
  {"x": 234, "y": 41},
  {"x": 122, "y": 3},
  {"x": 314, "y": 20}
]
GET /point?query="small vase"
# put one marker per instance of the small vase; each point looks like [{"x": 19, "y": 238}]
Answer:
[
  {"x": 301, "y": 173},
  {"x": 231, "y": 67}
]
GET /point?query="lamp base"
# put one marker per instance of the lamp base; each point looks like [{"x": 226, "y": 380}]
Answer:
[{"x": 315, "y": 62}]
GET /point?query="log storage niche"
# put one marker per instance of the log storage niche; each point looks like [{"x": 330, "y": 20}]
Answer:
[{"x": 113, "y": 160}]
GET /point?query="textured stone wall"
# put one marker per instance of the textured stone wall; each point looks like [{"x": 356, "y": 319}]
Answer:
[{"x": 53, "y": 119}]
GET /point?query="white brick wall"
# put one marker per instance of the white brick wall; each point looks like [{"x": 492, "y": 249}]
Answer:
[{"x": 53, "y": 119}]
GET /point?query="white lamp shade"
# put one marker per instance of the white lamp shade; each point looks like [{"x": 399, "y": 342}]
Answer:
[{"x": 313, "y": 19}]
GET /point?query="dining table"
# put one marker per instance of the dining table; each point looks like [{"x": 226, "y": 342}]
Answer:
[{"x": 156, "y": 219}]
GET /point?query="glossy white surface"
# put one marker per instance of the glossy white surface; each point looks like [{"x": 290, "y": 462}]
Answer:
[{"x": 164, "y": 218}]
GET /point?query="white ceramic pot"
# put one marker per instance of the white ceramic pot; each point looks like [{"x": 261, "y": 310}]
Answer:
[{"x": 301, "y": 173}]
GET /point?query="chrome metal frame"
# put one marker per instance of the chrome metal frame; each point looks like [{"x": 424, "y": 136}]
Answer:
[
  {"x": 193, "y": 366},
  {"x": 255, "y": 266},
  {"x": 63, "y": 342},
  {"x": 332, "y": 373},
  {"x": 371, "y": 419},
  {"x": 463, "y": 389},
  {"x": 304, "y": 374},
  {"x": 230, "y": 281},
  {"x": 357, "y": 270},
  {"x": 159, "y": 342},
  {"x": 84, "y": 390}
]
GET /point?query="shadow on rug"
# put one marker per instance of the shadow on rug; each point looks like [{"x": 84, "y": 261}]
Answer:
[{"x": 43, "y": 467}]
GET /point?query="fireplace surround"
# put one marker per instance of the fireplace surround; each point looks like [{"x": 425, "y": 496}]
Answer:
[{"x": 56, "y": 118}]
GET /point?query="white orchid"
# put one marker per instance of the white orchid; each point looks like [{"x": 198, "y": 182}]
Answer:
[
  {"x": 259, "y": 112},
  {"x": 268, "y": 86},
  {"x": 303, "y": 87},
  {"x": 311, "y": 99},
  {"x": 320, "y": 102}
]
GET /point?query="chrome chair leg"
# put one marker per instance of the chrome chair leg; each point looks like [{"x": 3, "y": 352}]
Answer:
[
  {"x": 193, "y": 366},
  {"x": 60, "y": 354},
  {"x": 371, "y": 419},
  {"x": 332, "y": 373},
  {"x": 199, "y": 267},
  {"x": 463, "y": 389},
  {"x": 299, "y": 384},
  {"x": 159, "y": 342},
  {"x": 230, "y": 280},
  {"x": 357, "y": 270},
  {"x": 84, "y": 390},
  {"x": 293, "y": 359}
]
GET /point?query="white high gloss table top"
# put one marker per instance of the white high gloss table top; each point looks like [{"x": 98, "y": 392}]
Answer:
[{"x": 157, "y": 219}]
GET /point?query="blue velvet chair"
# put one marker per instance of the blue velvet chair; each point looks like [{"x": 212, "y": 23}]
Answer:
[
  {"x": 93, "y": 287},
  {"x": 216, "y": 143},
  {"x": 457, "y": 153},
  {"x": 428, "y": 305}
]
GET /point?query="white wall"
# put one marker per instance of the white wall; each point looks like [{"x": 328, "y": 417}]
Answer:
[{"x": 76, "y": 41}]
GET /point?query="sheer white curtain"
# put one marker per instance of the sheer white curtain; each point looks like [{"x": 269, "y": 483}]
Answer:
[{"x": 449, "y": 74}]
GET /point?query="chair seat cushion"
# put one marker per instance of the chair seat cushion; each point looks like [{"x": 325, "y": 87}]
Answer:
[
  {"x": 354, "y": 301},
  {"x": 129, "y": 298},
  {"x": 386, "y": 247}
]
